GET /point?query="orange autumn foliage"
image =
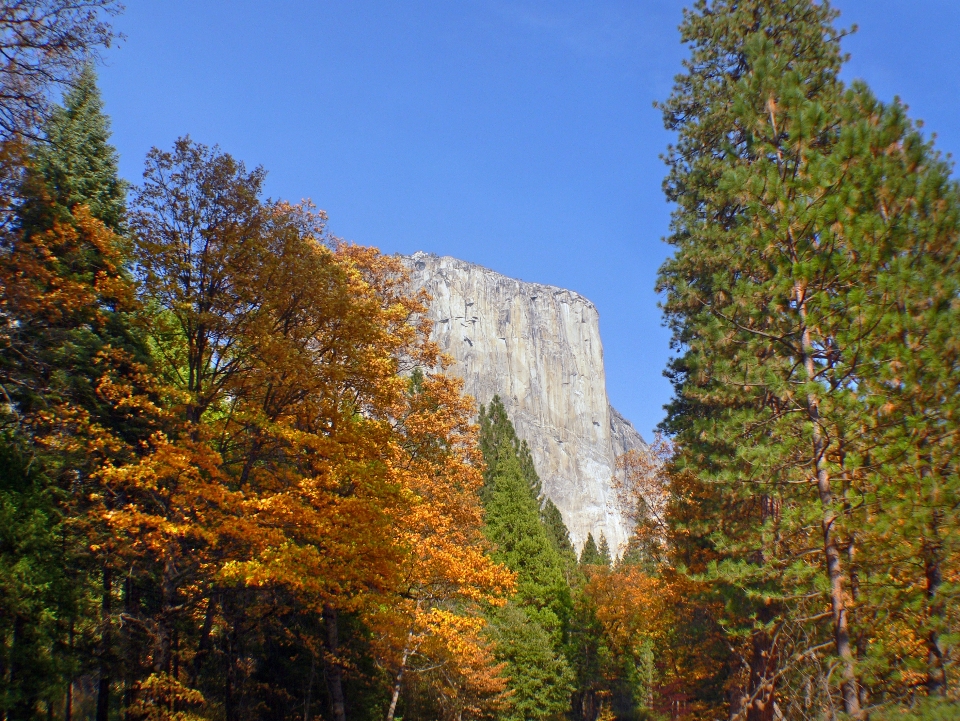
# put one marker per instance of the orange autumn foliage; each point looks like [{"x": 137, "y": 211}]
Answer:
[
  {"x": 434, "y": 628},
  {"x": 299, "y": 462}
]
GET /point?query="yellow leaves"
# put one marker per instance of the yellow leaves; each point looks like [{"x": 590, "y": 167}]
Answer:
[
  {"x": 161, "y": 697},
  {"x": 446, "y": 576}
]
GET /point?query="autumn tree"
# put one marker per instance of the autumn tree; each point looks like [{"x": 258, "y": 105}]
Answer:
[
  {"x": 320, "y": 474},
  {"x": 434, "y": 634}
]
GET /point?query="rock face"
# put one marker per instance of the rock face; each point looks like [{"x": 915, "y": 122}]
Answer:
[{"x": 538, "y": 348}]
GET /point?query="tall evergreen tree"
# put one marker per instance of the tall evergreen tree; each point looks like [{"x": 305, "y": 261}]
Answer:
[
  {"x": 531, "y": 643},
  {"x": 66, "y": 286},
  {"x": 499, "y": 441},
  {"x": 603, "y": 551},
  {"x": 559, "y": 538},
  {"x": 798, "y": 232},
  {"x": 75, "y": 163},
  {"x": 521, "y": 542},
  {"x": 590, "y": 554},
  {"x": 541, "y": 679}
]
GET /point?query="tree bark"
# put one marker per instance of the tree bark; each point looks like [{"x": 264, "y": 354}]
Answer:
[
  {"x": 161, "y": 662},
  {"x": 407, "y": 650},
  {"x": 332, "y": 669},
  {"x": 205, "y": 643},
  {"x": 936, "y": 669},
  {"x": 828, "y": 518},
  {"x": 761, "y": 688}
]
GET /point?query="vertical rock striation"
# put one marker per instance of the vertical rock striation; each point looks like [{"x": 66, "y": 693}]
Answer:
[{"x": 538, "y": 348}]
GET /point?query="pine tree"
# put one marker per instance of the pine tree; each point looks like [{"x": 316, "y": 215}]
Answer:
[
  {"x": 521, "y": 542},
  {"x": 541, "y": 680},
  {"x": 590, "y": 555},
  {"x": 797, "y": 220},
  {"x": 559, "y": 538},
  {"x": 66, "y": 287},
  {"x": 499, "y": 440},
  {"x": 603, "y": 551},
  {"x": 75, "y": 163},
  {"x": 531, "y": 643}
]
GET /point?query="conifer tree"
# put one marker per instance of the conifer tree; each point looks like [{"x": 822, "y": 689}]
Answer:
[
  {"x": 559, "y": 537},
  {"x": 499, "y": 440},
  {"x": 590, "y": 555},
  {"x": 521, "y": 542},
  {"x": 530, "y": 632},
  {"x": 75, "y": 162},
  {"x": 794, "y": 199},
  {"x": 65, "y": 284},
  {"x": 603, "y": 551},
  {"x": 541, "y": 679}
]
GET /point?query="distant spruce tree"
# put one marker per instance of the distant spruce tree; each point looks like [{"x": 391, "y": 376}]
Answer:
[
  {"x": 522, "y": 544},
  {"x": 499, "y": 440},
  {"x": 75, "y": 164},
  {"x": 498, "y": 436},
  {"x": 590, "y": 554},
  {"x": 559, "y": 537},
  {"x": 603, "y": 551}
]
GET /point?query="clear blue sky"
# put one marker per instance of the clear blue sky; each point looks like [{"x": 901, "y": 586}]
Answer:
[{"x": 518, "y": 134}]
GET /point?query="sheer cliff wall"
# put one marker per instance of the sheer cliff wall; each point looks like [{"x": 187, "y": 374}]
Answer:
[{"x": 537, "y": 347}]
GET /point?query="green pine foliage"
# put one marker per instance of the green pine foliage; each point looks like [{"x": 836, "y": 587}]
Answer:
[
  {"x": 529, "y": 634},
  {"x": 75, "y": 164},
  {"x": 603, "y": 551},
  {"x": 559, "y": 538},
  {"x": 540, "y": 677},
  {"x": 522, "y": 544},
  {"x": 809, "y": 220},
  {"x": 590, "y": 554},
  {"x": 499, "y": 441}
]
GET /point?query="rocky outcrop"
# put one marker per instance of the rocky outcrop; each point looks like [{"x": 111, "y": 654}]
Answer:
[{"x": 538, "y": 348}]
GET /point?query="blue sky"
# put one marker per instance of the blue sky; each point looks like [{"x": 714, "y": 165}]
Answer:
[{"x": 518, "y": 134}]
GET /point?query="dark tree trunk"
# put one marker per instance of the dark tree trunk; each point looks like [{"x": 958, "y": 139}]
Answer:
[
  {"x": 332, "y": 669},
  {"x": 106, "y": 647},
  {"x": 206, "y": 640},
  {"x": 936, "y": 669},
  {"x": 761, "y": 688},
  {"x": 168, "y": 590}
]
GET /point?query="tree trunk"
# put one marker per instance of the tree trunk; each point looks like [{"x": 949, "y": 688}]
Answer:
[
  {"x": 838, "y": 606},
  {"x": 68, "y": 704},
  {"x": 407, "y": 650},
  {"x": 205, "y": 644},
  {"x": 761, "y": 684},
  {"x": 106, "y": 647},
  {"x": 164, "y": 651},
  {"x": 936, "y": 669},
  {"x": 332, "y": 669}
]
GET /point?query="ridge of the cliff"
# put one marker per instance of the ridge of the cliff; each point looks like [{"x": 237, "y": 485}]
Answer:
[
  {"x": 538, "y": 347},
  {"x": 422, "y": 256}
]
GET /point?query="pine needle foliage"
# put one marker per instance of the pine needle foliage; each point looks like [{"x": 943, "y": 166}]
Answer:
[{"x": 809, "y": 220}]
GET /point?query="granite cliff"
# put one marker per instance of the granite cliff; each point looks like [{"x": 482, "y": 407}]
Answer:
[{"x": 537, "y": 347}]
